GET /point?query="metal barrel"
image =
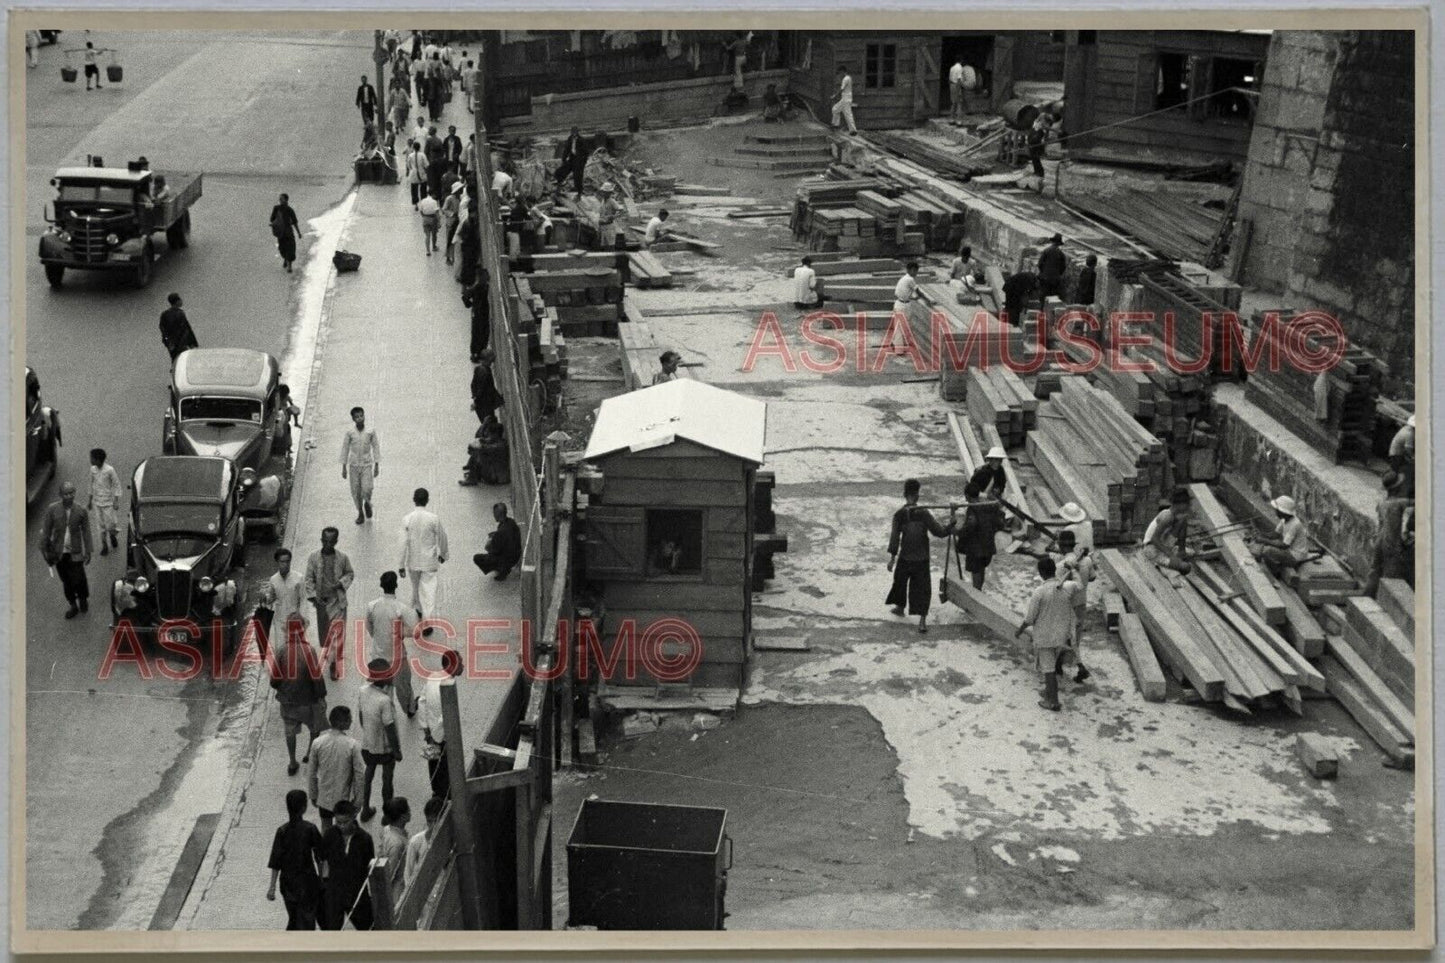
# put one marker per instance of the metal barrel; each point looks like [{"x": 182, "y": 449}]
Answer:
[{"x": 1019, "y": 114}]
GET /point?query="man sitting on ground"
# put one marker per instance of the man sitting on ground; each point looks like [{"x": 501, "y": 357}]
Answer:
[
  {"x": 504, "y": 546},
  {"x": 1288, "y": 545},
  {"x": 657, "y": 229},
  {"x": 488, "y": 460}
]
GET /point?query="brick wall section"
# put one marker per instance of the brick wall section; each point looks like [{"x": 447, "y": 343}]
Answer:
[{"x": 1329, "y": 184}]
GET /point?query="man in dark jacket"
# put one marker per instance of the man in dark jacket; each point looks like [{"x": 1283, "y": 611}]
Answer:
[
  {"x": 295, "y": 851},
  {"x": 504, "y": 546},
  {"x": 176, "y": 333},
  {"x": 65, "y": 546},
  {"x": 452, "y": 151},
  {"x": 574, "y": 160},
  {"x": 1052, "y": 265},
  {"x": 1088, "y": 280},
  {"x": 975, "y": 541},
  {"x": 1018, "y": 290},
  {"x": 486, "y": 399},
  {"x": 347, "y": 852},
  {"x": 435, "y": 161},
  {"x": 909, "y": 555},
  {"x": 366, "y": 101}
]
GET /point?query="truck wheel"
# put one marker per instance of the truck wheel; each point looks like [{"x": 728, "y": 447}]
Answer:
[
  {"x": 178, "y": 234},
  {"x": 143, "y": 269},
  {"x": 54, "y": 273}
]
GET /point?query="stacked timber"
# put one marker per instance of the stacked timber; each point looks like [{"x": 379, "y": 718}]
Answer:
[
  {"x": 641, "y": 351},
  {"x": 874, "y": 217},
  {"x": 1091, "y": 452},
  {"x": 1200, "y": 322},
  {"x": 967, "y": 337},
  {"x": 539, "y": 335},
  {"x": 997, "y": 397},
  {"x": 647, "y": 271},
  {"x": 1370, "y": 668},
  {"x": 588, "y": 300},
  {"x": 1208, "y": 638},
  {"x": 1292, "y": 396},
  {"x": 1177, "y": 227},
  {"x": 946, "y": 163}
]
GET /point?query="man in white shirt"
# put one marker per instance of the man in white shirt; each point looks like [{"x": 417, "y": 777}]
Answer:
[
  {"x": 1288, "y": 545},
  {"x": 423, "y": 552},
  {"x": 419, "y": 843},
  {"x": 502, "y": 186},
  {"x": 286, "y": 593},
  {"x": 905, "y": 292},
  {"x": 389, "y": 624},
  {"x": 360, "y": 462},
  {"x": 955, "y": 90},
  {"x": 657, "y": 229},
  {"x": 105, "y": 495},
  {"x": 843, "y": 106},
  {"x": 433, "y": 732},
  {"x": 805, "y": 286}
]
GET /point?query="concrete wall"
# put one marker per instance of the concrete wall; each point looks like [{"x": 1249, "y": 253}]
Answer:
[
  {"x": 1329, "y": 187},
  {"x": 656, "y": 105}
]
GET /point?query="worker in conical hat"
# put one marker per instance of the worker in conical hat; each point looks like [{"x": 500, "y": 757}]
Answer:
[{"x": 990, "y": 478}]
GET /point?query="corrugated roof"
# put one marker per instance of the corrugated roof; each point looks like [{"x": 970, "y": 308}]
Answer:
[{"x": 722, "y": 420}]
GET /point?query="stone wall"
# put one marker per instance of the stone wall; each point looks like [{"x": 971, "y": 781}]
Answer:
[
  {"x": 655, "y": 105},
  {"x": 1329, "y": 184}
]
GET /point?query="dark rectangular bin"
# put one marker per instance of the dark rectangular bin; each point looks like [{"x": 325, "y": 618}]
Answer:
[{"x": 647, "y": 866}]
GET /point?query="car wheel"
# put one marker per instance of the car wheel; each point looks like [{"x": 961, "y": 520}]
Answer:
[
  {"x": 55, "y": 273},
  {"x": 143, "y": 269}
]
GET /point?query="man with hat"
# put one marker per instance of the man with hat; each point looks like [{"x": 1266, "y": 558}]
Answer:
[
  {"x": 451, "y": 216},
  {"x": 607, "y": 217},
  {"x": 670, "y": 360},
  {"x": 1052, "y": 265},
  {"x": 65, "y": 546},
  {"x": 1288, "y": 545},
  {"x": 1166, "y": 538},
  {"x": 990, "y": 478}
]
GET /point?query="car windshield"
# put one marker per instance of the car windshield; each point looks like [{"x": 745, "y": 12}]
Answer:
[
  {"x": 201, "y": 522},
  {"x": 220, "y": 409},
  {"x": 102, "y": 193}
]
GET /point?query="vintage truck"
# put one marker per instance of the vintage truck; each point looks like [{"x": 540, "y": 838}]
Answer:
[{"x": 104, "y": 218}]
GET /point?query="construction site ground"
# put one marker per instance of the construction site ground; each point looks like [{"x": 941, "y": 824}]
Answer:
[{"x": 886, "y": 779}]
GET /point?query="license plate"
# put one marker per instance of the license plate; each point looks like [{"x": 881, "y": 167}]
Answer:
[{"x": 177, "y": 636}]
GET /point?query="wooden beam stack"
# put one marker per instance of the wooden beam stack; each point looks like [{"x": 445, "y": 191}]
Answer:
[
  {"x": 647, "y": 271},
  {"x": 588, "y": 301},
  {"x": 641, "y": 351},
  {"x": 998, "y": 398},
  {"x": 539, "y": 335}
]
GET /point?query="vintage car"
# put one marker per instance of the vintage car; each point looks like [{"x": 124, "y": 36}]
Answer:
[
  {"x": 42, "y": 439},
  {"x": 223, "y": 404},
  {"x": 184, "y": 538}
]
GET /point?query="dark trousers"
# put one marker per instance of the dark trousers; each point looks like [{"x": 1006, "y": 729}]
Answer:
[
  {"x": 913, "y": 584},
  {"x": 1036, "y": 157},
  {"x": 481, "y": 327},
  {"x": 439, "y": 774},
  {"x": 336, "y": 908},
  {"x": 418, "y": 191},
  {"x": 300, "y": 914},
  {"x": 1051, "y": 287},
  {"x": 387, "y": 762},
  {"x": 576, "y": 171},
  {"x": 488, "y": 562},
  {"x": 72, "y": 579},
  {"x": 434, "y": 178}
]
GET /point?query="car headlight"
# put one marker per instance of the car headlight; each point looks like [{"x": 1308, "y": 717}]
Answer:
[
  {"x": 205, "y": 584},
  {"x": 141, "y": 584},
  {"x": 112, "y": 239}
]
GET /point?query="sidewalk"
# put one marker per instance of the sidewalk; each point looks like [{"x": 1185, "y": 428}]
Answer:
[{"x": 393, "y": 340}]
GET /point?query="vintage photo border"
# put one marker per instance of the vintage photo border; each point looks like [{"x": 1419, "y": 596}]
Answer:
[{"x": 513, "y": 943}]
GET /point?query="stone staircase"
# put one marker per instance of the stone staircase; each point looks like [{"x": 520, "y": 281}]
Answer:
[{"x": 798, "y": 154}]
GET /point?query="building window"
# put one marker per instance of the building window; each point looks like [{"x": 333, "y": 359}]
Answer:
[
  {"x": 1171, "y": 79},
  {"x": 1209, "y": 88},
  {"x": 1230, "y": 83},
  {"x": 880, "y": 67},
  {"x": 674, "y": 541}
]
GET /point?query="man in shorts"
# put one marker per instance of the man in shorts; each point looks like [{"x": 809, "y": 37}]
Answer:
[{"x": 296, "y": 677}]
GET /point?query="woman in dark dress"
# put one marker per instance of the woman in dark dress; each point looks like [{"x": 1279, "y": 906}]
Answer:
[
  {"x": 286, "y": 230},
  {"x": 981, "y": 523}
]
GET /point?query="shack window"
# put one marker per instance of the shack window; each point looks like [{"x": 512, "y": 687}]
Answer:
[
  {"x": 674, "y": 541},
  {"x": 1230, "y": 85},
  {"x": 880, "y": 66}
]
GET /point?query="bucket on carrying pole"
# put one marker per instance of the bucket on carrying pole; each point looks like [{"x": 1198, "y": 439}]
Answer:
[{"x": 113, "y": 70}]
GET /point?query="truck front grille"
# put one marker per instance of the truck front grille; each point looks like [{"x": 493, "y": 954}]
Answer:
[{"x": 87, "y": 241}]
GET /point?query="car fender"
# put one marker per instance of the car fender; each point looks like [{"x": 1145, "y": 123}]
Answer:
[
  {"x": 131, "y": 246},
  {"x": 52, "y": 247}
]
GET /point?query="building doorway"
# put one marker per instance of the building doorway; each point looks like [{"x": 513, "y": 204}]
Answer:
[{"x": 974, "y": 50}]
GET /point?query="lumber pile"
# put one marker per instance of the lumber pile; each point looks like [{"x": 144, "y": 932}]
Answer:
[
  {"x": 1373, "y": 701},
  {"x": 1397, "y": 599},
  {"x": 641, "y": 351},
  {"x": 1196, "y": 315},
  {"x": 1205, "y": 637},
  {"x": 1174, "y": 226},
  {"x": 944, "y": 162},
  {"x": 998, "y": 398},
  {"x": 1386, "y": 649},
  {"x": 873, "y": 217},
  {"x": 1089, "y": 451},
  {"x": 1253, "y": 578},
  {"x": 970, "y": 337},
  {"x": 1152, "y": 685},
  {"x": 647, "y": 271},
  {"x": 539, "y": 335},
  {"x": 1289, "y": 394},
  {"x": 587, "y": 300}
]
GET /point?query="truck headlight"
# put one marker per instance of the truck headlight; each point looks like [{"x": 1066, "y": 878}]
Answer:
[
  {"x": 141, "y": 584},
  {"x": 205, "y": 584},
  {"x": 112, "y": 239}
]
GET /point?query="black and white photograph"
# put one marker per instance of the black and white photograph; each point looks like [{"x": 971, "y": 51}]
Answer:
[{"x": 841, "y": 481}]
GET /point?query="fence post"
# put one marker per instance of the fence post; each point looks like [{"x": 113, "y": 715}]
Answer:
[{"x": 461, "y": 809}]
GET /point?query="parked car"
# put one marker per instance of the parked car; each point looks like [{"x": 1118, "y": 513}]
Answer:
[
  {"x": 42, "y": 439},
  {"x": 185, "y": 535},
  {"x": 223, "y": 404}
]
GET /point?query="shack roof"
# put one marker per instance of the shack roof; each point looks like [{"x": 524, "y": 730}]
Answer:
[{"x": 722, "y": 420}]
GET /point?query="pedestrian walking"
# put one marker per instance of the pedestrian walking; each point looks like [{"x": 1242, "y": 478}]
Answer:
[
  {"x": 415, "y": 168},
  {"x": 346, "y": 853},
  {"x": 176, "y": 332},
  {"x": 504, "y": 545},
  {"x": 451, "y": 214},
  {"x": 1075, "y": 563},
  {"x": 92, "y": 65},
  {"x": 65, "y": 546},
  {"x": 452, "y": 151},
  {"x": 105, "y": 496},
  {"x": 1050, "y": 621},
  {"x": 435, "y": 161},
  {"x": 430, "y": 212},
  {"x": 909, "y": 556},
  {"x": 843, "y": 106},
  {"x": 360, "y": 462},
  {"x": 337, "y": 771},
  {"x": 366, "y": 101},
  {"x": 1052, "y": 265},
  {"x": 1088, "y": 280},
  {"x": 400, "y": 107},
  {"x": 389, "y": 624},
  {"x": 976, "y": 542},
  {"x": 433, "y": 724},
  {"x": 380, "y": 744},
  {"x": 282, "y": 597},
  {"x": 32, "y": 48},
  {"x": 486, "y": 399},
  {"x": 417, "y": 846},
  {"x": 395, "y": 814},
  {"x": 287, "y": 414},
  {"x": 328, "y": 577},
  {"x": 470, "y": 74},
  {"x": 1036, "y": 139},
  {"x": 296, "y": 855},
  {"x": 423, "y": 552},
  {"x": 286, "y": 230},
  {"x": 301, "y": 693}
]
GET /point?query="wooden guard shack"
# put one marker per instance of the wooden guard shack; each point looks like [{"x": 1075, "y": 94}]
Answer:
[{"x": 669, "y": 530}]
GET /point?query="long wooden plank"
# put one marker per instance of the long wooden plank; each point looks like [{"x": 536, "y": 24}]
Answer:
[
  {"x": 959, "y": 442},
  {"x": 1395, "y": 650},
  {"x": 1397, "y": 598},
  {"x": 1218, "y": 640},
  {"x": 1301, "y": 627},
  {"x": 1398, "y": 745},
  {"x": 1308, "y": 675},
  {"x": 1254, "y": 581},
  {"x": 1241, "y": 628},
  {"x": 992, "y": 613},
  {"x": 1354, "y": 663},
  {"x": 1165, "y": 631},
  {"x": 1141, "y": 657}
]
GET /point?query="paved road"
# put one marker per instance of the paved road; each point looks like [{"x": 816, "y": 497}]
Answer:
[{"x": 117, "y": 769}]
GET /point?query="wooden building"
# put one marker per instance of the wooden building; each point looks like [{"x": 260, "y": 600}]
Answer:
[
  {"x": 669, "y": 534},
  {"x": 1162, "y": 94},
  {"x": 901, "y": 79}
]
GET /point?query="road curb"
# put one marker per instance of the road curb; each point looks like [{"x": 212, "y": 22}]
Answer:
[{"x": 257, "y": 716}]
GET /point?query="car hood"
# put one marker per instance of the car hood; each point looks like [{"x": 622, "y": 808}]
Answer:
[{"x": 233, "y": 440}]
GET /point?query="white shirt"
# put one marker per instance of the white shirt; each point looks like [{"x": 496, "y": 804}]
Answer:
[
  {"x": 105, "y": 489},
  {"x": 423, "y": 541},
  {"x": 502, "y": 183},
  {"x": 1291, "y": 532},
  {"x": 906, "y": 289},
  {"x": 845, "y": 89},
  {"x": 416, "y": 848},
  {"x": 955, "y": 73},
  {"x": 429, "y": 709},
  {"x": 805, "y": 285},
  {"x": 654, "y": 228},
  {"x": 289, "y": 594},
  {"x": 360, "y": 448}
]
